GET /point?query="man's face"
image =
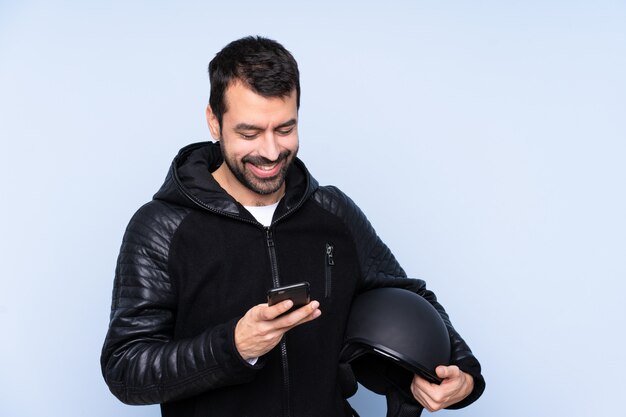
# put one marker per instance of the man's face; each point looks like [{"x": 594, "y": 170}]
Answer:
[{"x": 259, "y": 141}]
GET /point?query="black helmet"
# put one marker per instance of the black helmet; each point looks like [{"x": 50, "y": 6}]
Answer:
[{"x": 392, "y": 334}]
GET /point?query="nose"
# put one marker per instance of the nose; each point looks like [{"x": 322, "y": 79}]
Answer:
[{"x": 268, "y": 146}]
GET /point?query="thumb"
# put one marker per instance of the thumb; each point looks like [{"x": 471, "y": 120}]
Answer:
[{"x": 444, "y": 372}]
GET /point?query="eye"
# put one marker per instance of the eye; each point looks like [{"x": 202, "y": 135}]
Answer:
[
  {"x": 248, "y": 136},
  {"x": 285, "y": 132}
]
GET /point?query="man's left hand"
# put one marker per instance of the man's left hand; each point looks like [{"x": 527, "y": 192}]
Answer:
[{"x": 455, "y": 386}]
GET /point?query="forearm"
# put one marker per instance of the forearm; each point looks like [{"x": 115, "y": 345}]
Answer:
[{"x": 151, "y": 371}]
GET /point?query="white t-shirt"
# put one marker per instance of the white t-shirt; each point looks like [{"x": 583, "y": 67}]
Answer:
[{"x": 263, "y": 214}]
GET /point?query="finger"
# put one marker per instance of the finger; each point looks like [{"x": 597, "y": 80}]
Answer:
[
  {"x": 302, "y": 315},
  {"x": 312, "y": 316},
  {"x": 423, "y": 384},
  {"x": 435, "y": 397},
  {"x": 420, "y": 388},
  {"x": 271, "y": 312},
  {"x": 426, "y": 388}
]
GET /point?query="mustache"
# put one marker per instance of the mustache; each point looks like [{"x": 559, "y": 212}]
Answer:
[{"x": 261, "y": 160}]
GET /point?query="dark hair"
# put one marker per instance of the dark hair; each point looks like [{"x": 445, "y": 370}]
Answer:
[{"x": 262, "y": 64}]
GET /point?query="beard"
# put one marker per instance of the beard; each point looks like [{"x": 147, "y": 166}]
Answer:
[{"x": 262, "y": 186}]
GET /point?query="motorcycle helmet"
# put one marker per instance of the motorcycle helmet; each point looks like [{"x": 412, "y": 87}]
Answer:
[{"x": 391, "y": 334}]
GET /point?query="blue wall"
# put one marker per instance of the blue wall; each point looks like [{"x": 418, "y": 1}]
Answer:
[{"x": 485, "y": 141}]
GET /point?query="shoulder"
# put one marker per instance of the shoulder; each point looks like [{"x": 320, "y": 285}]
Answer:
[
  {"x": 331, "y": 198},
  {"x": 153, "y": 225},
  {"x": 338, "y": 203},
  {"x": 158, "y": 215}
]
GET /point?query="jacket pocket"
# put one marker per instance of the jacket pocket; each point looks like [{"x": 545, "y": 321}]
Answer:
[{"x": 328, "y": 267}]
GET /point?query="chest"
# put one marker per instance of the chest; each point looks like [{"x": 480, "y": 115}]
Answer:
[{"x": 221, "y": 267}]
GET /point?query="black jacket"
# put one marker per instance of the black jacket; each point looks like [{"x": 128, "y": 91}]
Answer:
[{"x": 194, "y": 260}]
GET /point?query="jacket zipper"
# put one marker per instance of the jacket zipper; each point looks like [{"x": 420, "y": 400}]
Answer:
[
  {"x": 330, "y": 262},
  {"x": 283, "y": 343},
  {"x": 272, "y": 255}
]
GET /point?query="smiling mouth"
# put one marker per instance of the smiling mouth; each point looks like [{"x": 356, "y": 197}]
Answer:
[
  {"x": 265, "y": 170},
  {"x": 265, "y": 167}
]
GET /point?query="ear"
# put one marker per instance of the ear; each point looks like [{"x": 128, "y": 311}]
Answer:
[{"x": 214, "y": 125}]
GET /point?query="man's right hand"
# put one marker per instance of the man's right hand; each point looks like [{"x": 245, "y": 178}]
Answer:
[{"x": 261, "y": 328}]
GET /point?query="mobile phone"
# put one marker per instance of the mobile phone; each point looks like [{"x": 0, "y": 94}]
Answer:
[{"x": 298, "y": 293}]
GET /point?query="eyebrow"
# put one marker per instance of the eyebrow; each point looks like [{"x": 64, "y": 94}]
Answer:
[
  {"x": 247, "y": 126},
  {"x": 288, "y": 123}
]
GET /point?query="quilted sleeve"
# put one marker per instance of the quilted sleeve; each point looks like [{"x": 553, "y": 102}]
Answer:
[
  {"x": 141, "y": 362},
  {"x": 379, "y": 268}
]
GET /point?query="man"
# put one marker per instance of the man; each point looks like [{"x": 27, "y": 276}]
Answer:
[{"x": 189, "y": 328}]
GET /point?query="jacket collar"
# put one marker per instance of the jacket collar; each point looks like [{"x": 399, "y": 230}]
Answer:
[{"x": 189, "y": 182}]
